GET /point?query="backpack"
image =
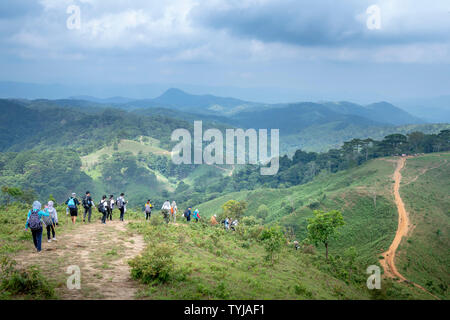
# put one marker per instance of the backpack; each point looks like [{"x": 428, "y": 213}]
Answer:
[
  {"x": 119, "y": 203},
  {"x": 34, "y": 222},
  {"x": 71, "y": 203},
  {"x": 100, "y": 207},
  {"x": 148, "y": 208},
  {"x": 47, "y": 220},
  {"x": 86, "y": 203}
]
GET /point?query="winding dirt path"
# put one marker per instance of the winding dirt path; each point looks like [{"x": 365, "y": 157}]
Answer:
[
  {"x": 388, "y": 263},
  {"x": 100, "y": 251}
]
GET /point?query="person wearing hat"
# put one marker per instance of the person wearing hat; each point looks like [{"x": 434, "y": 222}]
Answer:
[{"x": 72, "y": 204}]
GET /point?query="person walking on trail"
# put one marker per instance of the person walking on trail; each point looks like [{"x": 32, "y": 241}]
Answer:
[
  {"x": 227, "y": 223},
  {"x": 50, "y": 218},
  {"x": 187, "y": 214},
  {"x": 196, "y": 215},
  {"x": 72, "y": 204},
  {"x": 103, "y": 208},
  {"x": 214, "y": 220},
  {"x": 87, "y": 205},
  {"x": 173, "y": 211},
  {"x": 148, "y": 210},
  {"x": 121, "y": 203},
  {"x": 233, "y": 224},
  {"x": 165, "y": 209},
  {"x": 109, "y": 207},
  {"x": 34, "y": 222}
]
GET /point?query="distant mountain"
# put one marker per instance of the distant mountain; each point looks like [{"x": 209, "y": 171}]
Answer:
[
  {"x": 435, "y": 109},
  {"x": 296, "y": 117},
  {"x": 112, "y": 100},
  {"x": 180, "y": 100},
  {"x": 382, "y": 112}
]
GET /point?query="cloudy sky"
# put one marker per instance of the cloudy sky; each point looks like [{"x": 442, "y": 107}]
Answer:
[{"x": 265, "y": 50}]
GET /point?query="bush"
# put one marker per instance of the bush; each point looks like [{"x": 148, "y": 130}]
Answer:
[
  {"x": 273, "y": 239},
  {"x": 154, "y": 266},
  {"x": 30, "y": 282},
  {"x": 301, "y": 290}
]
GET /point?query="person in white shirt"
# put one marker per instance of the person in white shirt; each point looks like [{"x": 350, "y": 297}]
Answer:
[
  {"x": 173, "y": 211},
  {"x": 165, "y": 209}
]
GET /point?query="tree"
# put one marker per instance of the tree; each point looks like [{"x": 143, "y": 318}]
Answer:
[
  {"x": 324, "y": 226},
  {"x": 262, "y": 212},
  {"x": 28, "y": 196},
  {"x": 273, "y": 239},
  {"x": 11, "y": 192},
  {"x": 234, "y": 208},
  {"x": 52, "y": 198}
]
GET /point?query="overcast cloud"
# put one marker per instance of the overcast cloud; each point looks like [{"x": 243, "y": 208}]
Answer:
[{"x": 316, "y": 48}]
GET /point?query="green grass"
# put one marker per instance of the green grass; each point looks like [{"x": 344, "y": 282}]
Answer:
[
  {"x": 371, "y": 223},
  {"x": 151, "y": 146},
  {"x": 210, "y": 263},
  {"x": 369, "y": 227},
  {"x": 425, "y": 190},
  {"x": 207, "y": 263}
]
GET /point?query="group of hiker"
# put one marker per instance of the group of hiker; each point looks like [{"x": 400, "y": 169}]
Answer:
[
  {"x": 170, "y": 212},
  {"x": 37, "y": 218},
  {"x": 228, "y": 223},
  {"x": 105, "y": 206}
]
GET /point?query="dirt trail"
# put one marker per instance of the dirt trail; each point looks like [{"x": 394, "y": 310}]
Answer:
[
  {"x": 388, "y": 263},
  {"x": 102, "y": 253}
]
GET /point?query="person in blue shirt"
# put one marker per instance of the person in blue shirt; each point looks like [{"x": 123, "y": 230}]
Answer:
[
  {"x": 34, "y": 222},
  {"x": 187, "y": 214},
  {"x": 196, "y": 215},
  {"x": 72, "y": 204}
]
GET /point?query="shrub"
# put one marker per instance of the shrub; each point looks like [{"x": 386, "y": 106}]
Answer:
[
  {"x": 14, "y": 281},
  {"x": 157, "y": 265},
  {"x": 221, "y": 291},
  {"x": 273, "y": 239},
  {"x": 301, "y": 290}
]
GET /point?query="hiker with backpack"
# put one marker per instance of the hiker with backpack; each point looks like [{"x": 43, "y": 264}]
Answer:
[
  {"x": 102, "y": 208},
  {"x": 110, "y": 207},
  {"x": 34, "y": 222},
  {"x": 72, "y": 204},
  {"x": 87, "y": 205},
  {"x": 121, "y": 203},
  {"x": 233, "y": 224},
  {"x": 196, "y": 215},
  {"x": 50, "y": 218},
  {"x": 187, "y": 214},
  {"x": 165, "y": 209},
  {"x": 214, "y": 220},
  {"x": 173, "y": 211},
  {"x": 227, "y": 223},
  {"x": 148, "y": 210}
]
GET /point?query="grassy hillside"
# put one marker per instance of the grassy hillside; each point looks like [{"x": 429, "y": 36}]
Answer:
[
  {"x": 423, "y": 257},
  {"x": 144, "y": 144},
  {"x": 364, "y": 195},
  {"x": 371, "y": 222},
  {"x": 199, "y": 262}
]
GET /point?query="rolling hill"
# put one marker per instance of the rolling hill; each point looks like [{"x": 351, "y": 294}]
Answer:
[{"x": 364, "y": 195}]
